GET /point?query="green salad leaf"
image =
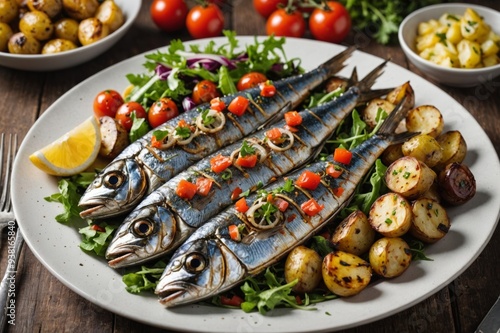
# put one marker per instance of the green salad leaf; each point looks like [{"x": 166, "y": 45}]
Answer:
[
  {"x": 96, "y": 237},
  {"x": 145, "y": 279}
]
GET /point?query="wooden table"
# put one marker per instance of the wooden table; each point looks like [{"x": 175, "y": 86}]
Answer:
[{"x": 45, "y": 305}]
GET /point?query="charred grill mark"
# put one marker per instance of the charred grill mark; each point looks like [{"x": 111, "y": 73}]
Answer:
[
  {"x": 196, "y": 150},
  {"x": 235, "y": 123}
]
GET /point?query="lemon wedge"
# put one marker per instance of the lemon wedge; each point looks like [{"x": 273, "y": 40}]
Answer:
[{"x": 72, "y": 153}]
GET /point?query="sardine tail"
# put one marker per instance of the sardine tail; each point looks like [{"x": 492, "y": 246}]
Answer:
[
  {"x": 370, "y": 78},
  {"x": 336, "y": 63}
]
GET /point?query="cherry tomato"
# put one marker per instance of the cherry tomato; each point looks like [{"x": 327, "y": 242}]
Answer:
[
  {"x": 205, "y": 21},
  {"x": 281, "y": 23},
  {"x": 205, "y": 91},
  {"x": 250, "y": 80},
  {"x": 161, "y": 111},
  {"x": 330, "y": 25},
  {"x": 124, "y": 114},
  {"x": 267, "y": 7},
  {"x": 169, "y": 15},
  {"x": 106, "y": 103}
]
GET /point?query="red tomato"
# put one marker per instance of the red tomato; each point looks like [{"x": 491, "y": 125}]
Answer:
[
  {"x": 106, "y": 103},
  {"x": 236, "y": 193},
  {"x": 308, "y": 180},
  {"x": 330, "y": 25},
  {"x": 205, "y": 21},
  {"x": 161, "y": 111},
  {"x": 124, "y": 114},
  {"x": 293, "y": 118},
  {"x": 267, "y": 89},
  {"x": 267, "y": 7},
  {"x": 203, "y": 186},
  {"x": 273, "y": 134},
  {"x": 334, "y": 171},
  {"x": 238, "y": 106},
  {"x": 241, "y": 205},
  {"x": 205, "y": 91},
  {"x": 217, "y": 104},
  {"x": 311, "y": 207},
  {"x": 185, "y": 189},
  {"x": 342, "y": 155},
  {"x": 250, "y": 80},
  {"x": 169, "y": 15},
  {"x": 248, "y": 161},
  {"x": 220, "y": 163},
  {"x": 235, "y": 234},
  {"x": 281, "y": 23}
]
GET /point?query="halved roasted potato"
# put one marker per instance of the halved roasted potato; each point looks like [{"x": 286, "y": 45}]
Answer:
[
  {"x": 425, "y": 119},
  {"x": 390, "y": 215},
  {"x": 430, "y": 221},
  {"x": 409, "y": 177}
]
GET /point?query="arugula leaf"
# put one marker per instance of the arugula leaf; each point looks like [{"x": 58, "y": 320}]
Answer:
[
  {"x": 145, "y": 279},
  {"x": 139, "y": 128},
  {"x": 96, "y": 237}
]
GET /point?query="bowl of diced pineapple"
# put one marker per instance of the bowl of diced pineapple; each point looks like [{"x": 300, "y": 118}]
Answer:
[{"x": 456, "y": 44}]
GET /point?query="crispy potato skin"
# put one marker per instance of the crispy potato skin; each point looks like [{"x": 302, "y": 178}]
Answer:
[
  {"x": 354, "y": 234},
  {"x": 67, "y": 28},
  {"x": 430, "y": 221},
  {"x": 19, "y": 43},
  {"x": 454, "y": 149},
  {"x": 424, "y": 148},
  {"x": 390, "y": 257},
  {"x": 91, "y": 30},
  {"x": 409, "y": 177},
  {"x": 110, "y": 14},
  {"x": 457, "y": 184},
  {"x": 303, "y": 264}
]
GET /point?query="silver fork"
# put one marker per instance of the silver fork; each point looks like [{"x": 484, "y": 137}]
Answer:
[{"x": 7, "y": 218}]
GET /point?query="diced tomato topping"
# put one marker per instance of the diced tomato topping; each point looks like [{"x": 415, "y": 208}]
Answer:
[
  {"x": 281, "y": 204},
  {"x": 220, "y": 163},
  {"x": 234, "y": 232},
  {"x": 273, "y": 134},
  {"x": 291, "y": 218},
  {"x": 338, "y": 191},
  {"x": 308, "y": 180},
  {"x": 233, "y": 301},
  {"x": 293, "y": 118},
  {"x": 342, "y": 155},
  {"x": 267, "y": 89},
  {"x": 97, "y": 228},
  {"x": 238, "y": 106},
  {"x": 241, "y": 205},
  {"x": 291, "y": 129},
  {"x": 334, "y": 171},
  {"x": 182, "y": 123},
  {"x": 248, "y": 161},
  {"x": 217, "y": 104},
  {"x": 204, "y": 185},
  {"x": 236, "y": 193},
  {"x": 186, "y": 190},
  {"x": 311, "y": 207},
  {"x": 155, "y": 143}
]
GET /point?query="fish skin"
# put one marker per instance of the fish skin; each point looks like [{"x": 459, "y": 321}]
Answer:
[
  {"x": 104, "y": 199},
  {"x": 190, "y": 273}
]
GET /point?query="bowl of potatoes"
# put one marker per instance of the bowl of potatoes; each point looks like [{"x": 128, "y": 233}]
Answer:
[
  {"x": 47, "y": 35},
  {"x": 455, "y": 44}
]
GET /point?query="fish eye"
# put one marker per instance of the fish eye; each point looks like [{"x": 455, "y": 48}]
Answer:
[
  {"x": 143, "y": 228},
  {"x": 195, "y": 263},
  {"x": 114, "y": 179}
]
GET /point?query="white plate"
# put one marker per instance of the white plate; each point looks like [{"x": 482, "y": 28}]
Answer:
[
  {"x": 56, "y": 245},
  {"x": 50, "y": 62}
]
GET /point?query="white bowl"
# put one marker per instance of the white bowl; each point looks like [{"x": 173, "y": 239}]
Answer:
[
  {"x": 457, "y": 77},
  {"x": 49, "y": 62}
]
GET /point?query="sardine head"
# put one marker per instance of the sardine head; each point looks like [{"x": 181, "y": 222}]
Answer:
[
  {"x": 115, "y": 190},
  {"x": 147, "y": 232},
  {"x": 199, "y": 269}
]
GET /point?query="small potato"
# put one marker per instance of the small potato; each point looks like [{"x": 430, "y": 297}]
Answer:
[
  {"x": 433, "y": 193},
  {"x": 454, "y": 148},
  {"x": 409, "y": 177},
  {"x": 430, "y": 221},
  {"x": 335, "y": 83},
  {"x": 399, "y": 93},
  {"x": 345, "y": 274},
  {"x": 426, "y": 119},
  {"x": 354, "y": 234},
  {"x": 67, "y": 29},
  {"x": 424, "y": 148},
  {"x": 57, "y": 45},
  {"x": 303, "y": 264},
  {"x": 390, "y": 215},
  {"x": 5, "y": 34},
  {"x": 92, "y": 30},
  {"x": 392, "y": 153},
  {"x": 457, "y": 184},
  {"x": 20, "y": 43},
  {"x": 37, "y": 24},
  {"x": 374, "y": 107},
  {"x": 50, "y": 7},
  {"x": 110, "y": 14},
  {"x": 390, "y": 257},
  {"x": 80, "y": 9},
  {"x": 8, "y": 10}
]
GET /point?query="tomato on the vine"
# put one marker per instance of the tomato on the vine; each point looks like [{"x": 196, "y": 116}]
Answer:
[
  {"x": 267, "y": 7},
  {"x": 161, "y": 111},
  {"x": 205, "y": 91},
  {"x": 106, "y": 103},
  {"x": 332, "y": 25},
  {"x": 205, "y": 21},
  {"x": 250, "y": 80},
  {"x": 124, "y": 114},
  {"x": 169, "y": 15},
  {"x": 283, "y": 23}
]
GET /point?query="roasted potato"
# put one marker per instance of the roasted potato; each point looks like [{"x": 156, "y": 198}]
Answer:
[
  {"x": 91, "y": 30},
  {"x": 430, "y": 221},
  {"x": 390, "y": 215},
  {"x": 457, "y": 184},
  {"x": 432, "y": 193},
  {"x": 20, "y": 43},
  {"x": 303, "y": 264},
  {"x": 50, "y": 7},
  {"x": 409, "y": 177},
  {"x": 67, "y": 28},
  {"x": 454, "y": 148},
  {"x": 58, "y": 45},
  {"x": 8, "y": 10},
  {"x": 392, "y": 153},
  {"x": 345, "y": 274},
  {"x": 424, "y": 148},
  {"x": 80, "y": 9},
  {"x": 425, "y": 119},
  {"x": 5, "y": 34},
  {"x": 390, "y": 257},
  {"x": 37, "y": 24},
  {"x": 399, "y": 93},
  {"x": 110, "y": 14},
  {"x": 354, "y": 234},
  {"x": 114, "y": 137},
  {"x": 335, "y": 83}
]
